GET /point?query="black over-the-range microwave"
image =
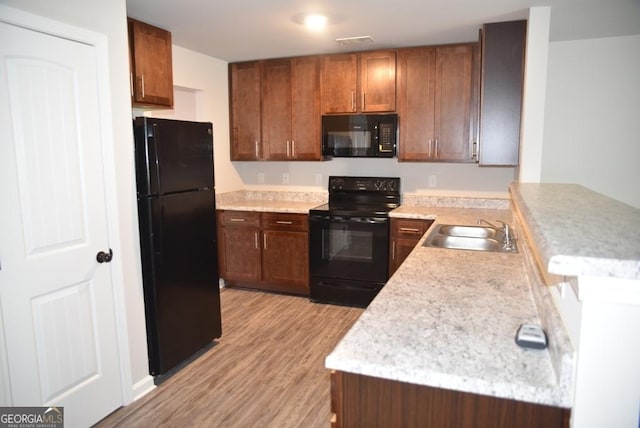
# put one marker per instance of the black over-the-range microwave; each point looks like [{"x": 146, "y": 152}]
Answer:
[{"x": 360, "y": 135}]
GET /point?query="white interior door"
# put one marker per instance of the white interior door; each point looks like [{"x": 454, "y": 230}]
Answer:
[{"x": 56, "y": 300}]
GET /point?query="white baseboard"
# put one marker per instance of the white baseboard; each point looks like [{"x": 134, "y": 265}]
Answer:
[{"x": 143, "y": 387}]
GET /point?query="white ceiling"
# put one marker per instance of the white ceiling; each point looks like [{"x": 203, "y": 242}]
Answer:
[{"x": 237, "y": 30}]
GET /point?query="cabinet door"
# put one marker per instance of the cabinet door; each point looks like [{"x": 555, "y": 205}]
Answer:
[
  {"x": 453, "y": 103},
  {"x": 239, "y": 251},
  {"x": 377, "y": 81},
  {"x": 503, "y": 50},
  {"x": 306, "y": 115},
  {"x": 244, "y": 86},
  {"x": 405, "y": 234},
  {"x": 416, "y": 102},
  {"x": 276, "y": 109},
  {"x": 151, "y": 65},
  {"x": 339, "y": 83},
  {"x": 285, "y": 260}
]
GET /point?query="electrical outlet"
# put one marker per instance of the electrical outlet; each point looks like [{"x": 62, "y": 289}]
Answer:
[
  {"x": 285, "y": 178},
  {"x": 261, "y": 178},
  {"x": 432, "y": 181}
]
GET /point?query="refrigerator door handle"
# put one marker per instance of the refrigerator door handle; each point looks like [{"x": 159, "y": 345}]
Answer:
[
  {"x": 160, "y": 238},
  {"x": 156, "y": 159}
]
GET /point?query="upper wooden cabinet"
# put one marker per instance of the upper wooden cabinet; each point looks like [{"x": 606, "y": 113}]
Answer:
[
  {"x": 246, "y": 128},
  {"x": 435, "y": 103},
  {"x": 291, "y": 109},
  {"x": 359, "y": 82},
  {"x": 275, "y": 109},
  {"x": 503, "y": 50},
  {"x": 151, "y": 65}
]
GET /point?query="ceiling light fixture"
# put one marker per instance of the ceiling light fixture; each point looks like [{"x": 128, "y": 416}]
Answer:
[
  {"x": 315, "y": 21},
  {"x": 354, "y": 40}
]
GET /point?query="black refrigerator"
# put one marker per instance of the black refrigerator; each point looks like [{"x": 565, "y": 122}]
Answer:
[{"x": 177, "y": 218}]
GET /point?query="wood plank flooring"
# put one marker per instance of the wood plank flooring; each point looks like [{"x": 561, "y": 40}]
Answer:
[{"x": 267, "y": 370}]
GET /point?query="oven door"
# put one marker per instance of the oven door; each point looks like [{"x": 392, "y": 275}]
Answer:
[{"x": 351, "y": 248}]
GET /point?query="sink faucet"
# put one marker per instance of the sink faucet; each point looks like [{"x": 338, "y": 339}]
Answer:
[{"x": 507, "y": 242}]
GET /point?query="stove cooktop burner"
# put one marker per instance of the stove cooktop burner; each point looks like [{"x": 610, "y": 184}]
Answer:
[{"x": 361, "y": 197}]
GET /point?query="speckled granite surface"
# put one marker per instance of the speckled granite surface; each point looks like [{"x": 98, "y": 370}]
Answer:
[
  {"x": 454, "y": 201},
  {"x": 580, "y": 232},
  {"x": 270, "y": 201},
  {"x": 448, "y": 318}
]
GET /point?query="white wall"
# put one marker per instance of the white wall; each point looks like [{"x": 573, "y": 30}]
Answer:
[
  {"x": 450, "y": 178},
  {"x": 591, "y": 134},
  {"x": 109, "y": 18},
  {"x": 531, "y": 130}
]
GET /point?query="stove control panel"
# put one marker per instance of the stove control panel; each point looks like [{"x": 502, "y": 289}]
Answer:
[{"x": 369, "y": 184}]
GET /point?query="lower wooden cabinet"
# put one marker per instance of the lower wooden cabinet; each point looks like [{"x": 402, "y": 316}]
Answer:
[
  {"x": 405, "y": 234},
  {"x": 267, "y": 251},
  {"x": 363, "y": 401}
]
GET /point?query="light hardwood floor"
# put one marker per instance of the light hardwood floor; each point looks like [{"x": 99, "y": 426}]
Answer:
[{"x": 267, "y": 370}]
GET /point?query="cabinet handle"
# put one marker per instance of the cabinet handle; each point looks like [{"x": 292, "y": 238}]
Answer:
[
  {"x": 293, "y": 149},
  {"x": 257, "y": 153},
  {"x": 409, "y": 229},
  {"x": 237, "y": 219},
  {"x": 131, "y": 83},
  {"x": 436, "y": 148},
  {"x": 362, "y": 106},
  {"x": 288, "y": 149},
  {"x": 284, "y": 222},
  {"x": 474, "y": 148},
  {"x": 430, "y": 144},
  {"x": 353, "y": 100},
  {"x": 393, "y": 250},
  {"x": 255, "y": 235},
  {"x": 264, "y": 241},
  {"x": 142, "y": 84}
]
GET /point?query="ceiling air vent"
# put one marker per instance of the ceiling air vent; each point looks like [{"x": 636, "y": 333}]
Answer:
[{"x": 345, "y": 41}]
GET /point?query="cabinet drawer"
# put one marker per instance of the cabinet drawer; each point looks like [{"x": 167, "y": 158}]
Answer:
[
  {"x": 409, "y": 228},
  {"x": 285, "y": 221},
  {"x": 239, "y": 218}
]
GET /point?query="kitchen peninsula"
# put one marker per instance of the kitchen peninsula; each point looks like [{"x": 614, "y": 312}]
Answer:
[{"x": 441, "y": 331}]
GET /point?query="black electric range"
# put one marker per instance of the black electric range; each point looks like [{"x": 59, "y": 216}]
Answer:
[{"x": 349, "y": 240}]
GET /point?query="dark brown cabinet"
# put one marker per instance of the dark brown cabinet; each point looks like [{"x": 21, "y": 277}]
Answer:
[
  {"x": 151, "y": 66},
  {"x": 239, "y": 251},
  {"x": 405, "y": 234},
  {"x": 436, "y": 102},
  {"x": 267, "y": 251},
  {"x": 359, "y": 82},
  {"x": 275, "y": 109},
  {"x": 291, "y": 109},
  {"x": 246, "y": 122},
  {"x": 285, "y": 260},
  {"x": 503, "y": 52},
  {"x": 363, "y": 401}
]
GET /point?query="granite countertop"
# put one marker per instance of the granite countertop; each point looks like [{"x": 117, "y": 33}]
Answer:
[
  {"x": 580, "y": 232},
  {"x": 270, "y": 201},
  {"x": 448, "y": 318}
]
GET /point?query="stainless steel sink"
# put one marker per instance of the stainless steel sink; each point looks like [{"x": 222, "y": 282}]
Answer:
[
  {"x": 470, "y": 231},
  {"x": 465, "y": 243},
  {"x": 476, "y": 238}
]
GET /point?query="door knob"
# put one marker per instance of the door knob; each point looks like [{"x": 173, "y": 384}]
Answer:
[{"x": 103, "y": 257}]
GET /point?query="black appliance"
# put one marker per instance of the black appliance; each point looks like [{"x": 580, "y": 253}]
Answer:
[
  {"x": 349, "y": 240},
  {"x": 176, "y": 210},
  {"x": 359, "y": 135}
]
